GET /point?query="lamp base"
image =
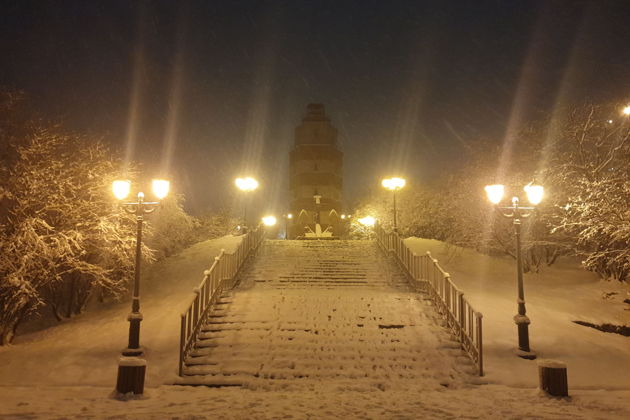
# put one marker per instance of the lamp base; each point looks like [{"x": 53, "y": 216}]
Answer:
[
  {"x": 529, "y": 355},
  {"x": 131, "y": 373},
  {"x": 132, "y": 352}
]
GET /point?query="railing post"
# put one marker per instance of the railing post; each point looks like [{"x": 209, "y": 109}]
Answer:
[
  {"x": 479, "y": 318},
  {"x": 189, "y": 323},
  {"x": 182, "y": 343},
  {"x": 414, "y": 272},
  {"x": 444, "y": 288},
  {"x": 206, "y": 287},
  {"x": 196, "y": 305},
  {"x": 462, "y": 314},
  {"x": 448, "y": 292}
]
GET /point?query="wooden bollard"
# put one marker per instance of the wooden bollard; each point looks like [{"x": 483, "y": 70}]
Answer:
[{"x": 553, "y": 377}]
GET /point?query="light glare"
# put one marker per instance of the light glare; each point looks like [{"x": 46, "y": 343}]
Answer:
[
  {"x": 534, "y": 193},
  {"x": 394, "y": 183},
  {"x": 121, "y": 189},
  {"x": 269, "y": 220},
  {"x": 367, "y": 221},
  {"x": 495, "y": 193},
  {"x": 246, "y": 184},
  {"x": 160, "y": 188}
]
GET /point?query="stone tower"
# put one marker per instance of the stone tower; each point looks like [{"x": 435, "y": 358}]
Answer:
[{"x": 315, "y": 166}]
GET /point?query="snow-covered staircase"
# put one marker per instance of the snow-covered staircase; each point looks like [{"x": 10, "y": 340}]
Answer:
[
  {"x": 323, "y": 312},
  {"x": 325, "y": 264}
]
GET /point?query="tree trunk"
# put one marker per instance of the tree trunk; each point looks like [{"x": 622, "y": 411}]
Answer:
[
  {"x": 7, "y": 332},
  {"x": 71, "y": 297}
]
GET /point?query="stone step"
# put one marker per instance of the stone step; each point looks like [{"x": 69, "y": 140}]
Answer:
[
  {"x": 286, "y": 370},
  {"x": 314, "y": 353}
]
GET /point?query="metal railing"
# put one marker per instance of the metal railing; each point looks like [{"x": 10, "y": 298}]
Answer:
[
  {"x": 219, "y": 277},
  {"x": 460, "y": 317}
]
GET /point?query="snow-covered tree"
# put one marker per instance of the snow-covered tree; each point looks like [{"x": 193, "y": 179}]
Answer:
[
  {"x": 590, "y": 172},
  {"x": 214, "y": 224},
  {"x": 62, "y": 237},
  {"x": 171, "y": 229}
]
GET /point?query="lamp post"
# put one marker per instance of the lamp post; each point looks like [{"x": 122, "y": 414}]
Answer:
[
  {"x": 516, "y": 212},
  {"x": 394, "y": 184},
  {"x": 131, "y": 367},
  {"x": 287, "y": 217},
  {"x": 247, "y": 184}
]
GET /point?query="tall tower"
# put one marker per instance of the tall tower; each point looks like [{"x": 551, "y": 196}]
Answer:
[{"x": 315, "y": 166}]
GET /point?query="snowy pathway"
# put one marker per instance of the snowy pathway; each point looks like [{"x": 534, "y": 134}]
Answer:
[{"x": 332, "y": 312}]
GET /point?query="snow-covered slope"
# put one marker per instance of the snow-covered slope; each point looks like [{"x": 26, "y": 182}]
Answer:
[
  {"x": 554, "y": 298},
  {"x": 85, "y": 350}
]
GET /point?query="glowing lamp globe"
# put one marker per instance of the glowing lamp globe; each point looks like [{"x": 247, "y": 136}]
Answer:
[
  {"x": 289, "y": 216},
  {"x": 495, "y": 193},
  {"x": 121, "y": 189},
  {"x": 367, "y": 221},
  {"x": 393, "y": 183},
  {"x": 269, "y": 220},
  {"x": 626, "y": 110},
  {"x": 535, "y": 193},
  {"x": 246, "y": 184},
  {"x": 160, "y": 188}
]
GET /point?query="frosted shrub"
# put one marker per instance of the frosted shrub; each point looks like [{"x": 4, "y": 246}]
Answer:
[
  {"x": 216, "y": 224},
  {"x": 170, "y": 228}
]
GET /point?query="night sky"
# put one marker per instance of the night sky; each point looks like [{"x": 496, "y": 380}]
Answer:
[{"x": 207, "y": 91}]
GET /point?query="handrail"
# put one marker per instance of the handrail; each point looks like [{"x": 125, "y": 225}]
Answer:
[
  {"x": 461, "y": 318},
  {"x": 219, "y": 277}
]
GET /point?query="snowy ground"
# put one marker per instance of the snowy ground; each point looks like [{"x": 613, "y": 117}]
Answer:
[
  {"x": 84, "y": 351},
  {"x": 69, "y": 371},
  {"x": 554, "y": 298}
]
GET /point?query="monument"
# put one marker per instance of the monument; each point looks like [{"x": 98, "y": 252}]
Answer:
[{"x": 315, "y": 178}]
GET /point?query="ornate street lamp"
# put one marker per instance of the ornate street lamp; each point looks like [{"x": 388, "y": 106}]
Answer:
[
  {"x": 516, "y": 212},
  {"x": 246, "y": 185},
  {"x": 394, "y": 184},
  {"x": 269, "y": 221},
  {"x": 131, "y": 367}
]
